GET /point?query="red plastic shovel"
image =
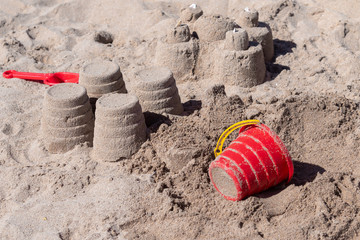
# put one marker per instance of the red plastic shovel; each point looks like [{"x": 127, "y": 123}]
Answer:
[{"x": 46, "y": 78}]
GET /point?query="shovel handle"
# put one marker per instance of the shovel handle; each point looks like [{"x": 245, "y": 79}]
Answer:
[{"x": 27, "y": 75}]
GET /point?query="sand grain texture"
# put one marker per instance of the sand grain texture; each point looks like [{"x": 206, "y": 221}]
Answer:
[
  {"x": 56, "y": 133},
  {"x": 117, "y": 133},
  {"x": 157, "y": 91},
  {"x": 310, "y": 98}
]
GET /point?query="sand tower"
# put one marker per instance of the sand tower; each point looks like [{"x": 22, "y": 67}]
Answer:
[
  {"x": 241, "y": 63},
  {"x": 190, "y": 14},
  {"x": 178, "y": 52},
  {"x": 101, "y": 77},
  {"x": 157, "y": 91},
  {"x": 258, "y": 31},
  {"x": 179, "y": 34},
  {"x": 67, "y": 118},
  {"x": 119, "y": 127},
  {"x": 213, "y": 28}
]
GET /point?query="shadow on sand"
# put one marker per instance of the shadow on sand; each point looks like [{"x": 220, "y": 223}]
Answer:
[{"x": 303, "y": 173}]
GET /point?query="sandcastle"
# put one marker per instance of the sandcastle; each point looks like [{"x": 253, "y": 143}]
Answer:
[
  {"x": 119, "y": 127},
  {"x": 157, "y": 91},
  {"x": 178, "y": 52},
  {"x": 190, "y": 13},
  {"x": 101, "y": 77},
  {"x": 241, "y": 64},
  {"x": 67, "y": 118},
  {"x": 258, "y": 31}
]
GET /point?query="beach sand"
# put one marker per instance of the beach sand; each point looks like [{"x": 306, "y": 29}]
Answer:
[{"x": 310, "y": 99}]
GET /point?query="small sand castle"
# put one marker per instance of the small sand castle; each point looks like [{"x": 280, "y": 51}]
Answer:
[
  {"x": 178, "y": 52},
  {"x": 218, "y": 45},
  {"x": 157, "y": 91},
  {"x": 101, "y": 77},
  {"x": 258, "y": 31},
  {"x": 241, "y": 64},
  {"x": 237, "y": 55},
  {"x": 67, "y": 118},
  {"x": 119, "y": 127}
]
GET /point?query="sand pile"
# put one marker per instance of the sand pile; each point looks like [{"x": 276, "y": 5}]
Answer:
[
  {"x": 191, "y": 201},
  {"x": 309, "y": 96}
]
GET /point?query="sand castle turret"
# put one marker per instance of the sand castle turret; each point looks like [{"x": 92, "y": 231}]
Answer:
[
  {"x": 258, "y": 31},
  {"x": 157, "y": 91},
  {"x": 236, "y": 40},
  {"x": 119, "y": 127},
  {"x": 213, "y": 28},
  {"x": 191, "y": 13},
  {"x": 249, "y": 18},
  {"x": 67, "y": 118},
  {"x": 179, "y": 34},
  {"x": 241, "y": 64},
  {"x": 101, "y": 77},
  {"x": 178, "y": 52}
]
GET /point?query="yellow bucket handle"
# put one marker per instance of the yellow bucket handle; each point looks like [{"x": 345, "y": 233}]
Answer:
[{"x": 226, "y": 133}]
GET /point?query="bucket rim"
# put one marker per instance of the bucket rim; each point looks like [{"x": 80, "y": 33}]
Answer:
[{"x": 231, "y": 173}]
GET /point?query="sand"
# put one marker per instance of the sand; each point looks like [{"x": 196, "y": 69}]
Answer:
[
  {"x": 62, "y": 133},
  {"x": 157, "y": 91},
  {"x": 118, "y": 134},
  {"x": 310, "y": 98}
]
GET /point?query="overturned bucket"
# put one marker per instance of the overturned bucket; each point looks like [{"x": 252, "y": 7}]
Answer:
[{"x": 255, "y": 161}]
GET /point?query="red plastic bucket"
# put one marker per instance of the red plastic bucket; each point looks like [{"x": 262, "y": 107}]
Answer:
[{"x": 256, "y": 160}]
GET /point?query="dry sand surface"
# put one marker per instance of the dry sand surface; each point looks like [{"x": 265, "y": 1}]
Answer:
[{"x": 310, "y": 98}]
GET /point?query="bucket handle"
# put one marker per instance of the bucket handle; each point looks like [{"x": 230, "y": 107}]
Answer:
[{"x": 226, "y": 133}]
